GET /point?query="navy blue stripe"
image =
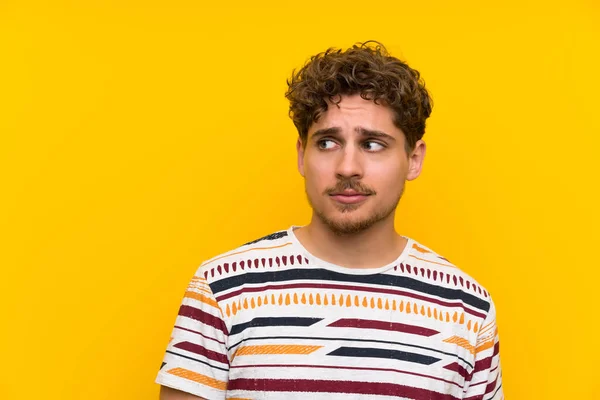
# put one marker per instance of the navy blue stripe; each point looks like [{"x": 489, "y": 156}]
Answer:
[
  {"x": 351, "y": 340},
  {"x": 272, "y": 236},
  {"x": 318, "y": 274},
  {"x": 195, "y": 359},
  {"x": 273, "y": 321},
  {"x": 364, "y": 352}
]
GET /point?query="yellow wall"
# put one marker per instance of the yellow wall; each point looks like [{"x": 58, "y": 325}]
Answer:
[{"x": 139, "y": 138}]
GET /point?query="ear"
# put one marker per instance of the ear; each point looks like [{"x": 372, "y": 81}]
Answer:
[
  {"x": 300, "y": 150},
  {"x": 415, "y": 161}
]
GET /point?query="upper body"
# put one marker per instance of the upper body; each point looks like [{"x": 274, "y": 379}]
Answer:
[
  {"x": 344, "y": 307},
  {"x": 270, "y": 320}
]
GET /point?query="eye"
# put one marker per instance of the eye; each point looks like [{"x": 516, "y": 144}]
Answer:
[
  {"x": 373, "y": 146},
  {"x": 325, "y": 144}
]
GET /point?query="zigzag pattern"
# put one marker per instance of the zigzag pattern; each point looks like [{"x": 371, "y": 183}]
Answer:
[
  {"x": 439, "y": 276},
  {"x": 341, "y": 300},
  {"x": 255, "y": 263}
]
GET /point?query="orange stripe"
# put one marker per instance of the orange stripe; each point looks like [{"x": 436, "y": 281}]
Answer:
[
  {"x": 200, "y": 288},
  {"x": 277, "y": 349},
  {"x": 487, "y": 345},
  {"x": 489, "y": 335},
  {"x": 462, "y": 342},
  {"x": 196, "y": 280},
  {"x": 196, "y": 377},
  {"x": 202, "y": 298},
  {"x": 433, "y": 262},
  {"x": 420, "y": 249},
  {"x": 245, "y": 251},
  {"x": 486, "y": 328}
]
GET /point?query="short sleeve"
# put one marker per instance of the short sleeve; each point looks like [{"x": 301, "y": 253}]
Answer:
[
  {"x": 485, "y": 380},
  {"x": 196, "y": 358}
]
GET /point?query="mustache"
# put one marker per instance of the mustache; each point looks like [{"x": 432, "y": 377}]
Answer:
[{"x": 349, "y": 184}]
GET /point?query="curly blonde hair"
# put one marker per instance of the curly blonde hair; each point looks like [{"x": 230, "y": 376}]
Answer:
[{"x": 366, "y": 69}]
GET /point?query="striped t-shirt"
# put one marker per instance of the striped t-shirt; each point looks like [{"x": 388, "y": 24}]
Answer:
[{"x": 269, "y": 320}]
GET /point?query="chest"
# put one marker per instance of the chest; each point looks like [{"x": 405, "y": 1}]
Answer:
[{"x": 344, "y": 334}]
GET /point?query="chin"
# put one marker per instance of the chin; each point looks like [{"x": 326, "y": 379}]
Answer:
[
  {"x": 350, "y": 227},
  {"x": 349, "y": 222}
]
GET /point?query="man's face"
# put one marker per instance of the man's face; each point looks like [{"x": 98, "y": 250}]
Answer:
[{"x": 355, "y": 165}]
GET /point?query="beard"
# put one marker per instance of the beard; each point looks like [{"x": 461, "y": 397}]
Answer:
[{"x": 348, "y": 226}]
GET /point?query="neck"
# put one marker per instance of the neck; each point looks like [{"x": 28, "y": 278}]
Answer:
[{"x": 372, "y": 248}]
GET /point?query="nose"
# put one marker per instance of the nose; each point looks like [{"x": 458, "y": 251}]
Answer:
[{"x": 350, "y": 163}]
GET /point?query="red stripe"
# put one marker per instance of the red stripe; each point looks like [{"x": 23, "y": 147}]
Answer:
[
  {"x": 199, "y": 333},
  {"x": 456, "y": 367},
  {"x": 349, "y": 387},
  {"x": 482, "y": 365},
  {"x": 489, "y": 389},
  {"x": 204, "y": 317},
  {"x": 386, "y": 326},
  {"x": 203, "y": 351},
  {"x": 349, "y": 287},
  {"x": 486, "y": 363},
  {"x": 350, "y": 368},
  {"x": 492, "y": 386}
]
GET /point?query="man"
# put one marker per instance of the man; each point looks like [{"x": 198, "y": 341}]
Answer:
[{"x": 344, "y": 307}]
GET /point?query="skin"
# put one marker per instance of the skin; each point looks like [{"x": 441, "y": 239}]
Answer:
[
  {"x": 345, "y": 150},
  {"x": 350, "y": 155}
]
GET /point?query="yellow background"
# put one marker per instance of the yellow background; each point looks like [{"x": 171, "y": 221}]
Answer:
[{"x": 140, "y": 138}]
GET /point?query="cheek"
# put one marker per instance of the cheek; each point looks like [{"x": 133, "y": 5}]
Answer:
[
  {"x": 388, "y": 178},
  {"x": 318, "y": 163},
  {"x": 316, "y": 174},
  {"x": 314, "y": 182}
]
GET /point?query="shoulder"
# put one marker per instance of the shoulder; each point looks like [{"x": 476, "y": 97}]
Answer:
[
  {"x": 426, "y": 264},
  {"x": 269, "y": 249}
]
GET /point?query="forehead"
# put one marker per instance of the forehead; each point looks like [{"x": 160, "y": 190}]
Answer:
[{"x": 354, "y": 111}]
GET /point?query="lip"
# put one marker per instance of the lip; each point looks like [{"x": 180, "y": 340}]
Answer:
[{"x": 350, "y": 198}]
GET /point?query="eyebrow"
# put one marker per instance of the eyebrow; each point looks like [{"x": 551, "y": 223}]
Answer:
[
  {"x": 326, "y": 131},
  {"x": 373, "y": 133},
  {"x": 362, "y": 131}
]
